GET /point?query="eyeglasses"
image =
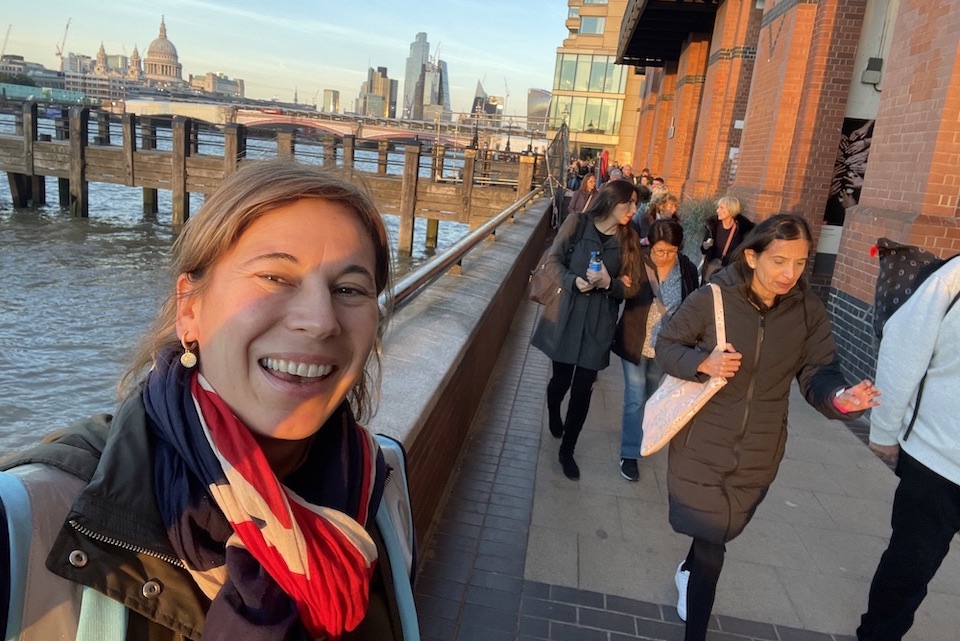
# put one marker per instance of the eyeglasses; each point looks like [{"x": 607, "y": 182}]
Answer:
[{"x": 664, "y": 253}]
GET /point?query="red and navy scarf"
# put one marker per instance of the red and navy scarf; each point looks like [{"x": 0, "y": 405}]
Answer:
[{"x": 274, "y": 558}]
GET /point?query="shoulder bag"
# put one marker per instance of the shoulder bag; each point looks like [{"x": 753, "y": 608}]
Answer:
[
  {"x": 677, "y": 401},
  {"x": 543, "y": 287}
]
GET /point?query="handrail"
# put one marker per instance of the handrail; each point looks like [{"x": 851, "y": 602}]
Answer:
[{"x": 408, "y": 287}]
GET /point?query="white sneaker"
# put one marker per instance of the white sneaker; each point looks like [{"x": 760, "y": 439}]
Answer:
[{"x": 681, "y": 579}]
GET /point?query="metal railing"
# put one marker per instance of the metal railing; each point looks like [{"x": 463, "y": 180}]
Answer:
[{"x": 408, "y": 287}]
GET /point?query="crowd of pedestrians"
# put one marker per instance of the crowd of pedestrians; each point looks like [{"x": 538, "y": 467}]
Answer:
[{"x": 658, "y": 320}]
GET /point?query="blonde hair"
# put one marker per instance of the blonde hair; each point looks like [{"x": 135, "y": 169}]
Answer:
[
  {"x": 257, "y": 188},
  {"x": 732, "y": 203}
]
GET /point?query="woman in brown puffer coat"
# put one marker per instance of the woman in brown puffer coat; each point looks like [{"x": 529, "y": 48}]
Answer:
[{"x": 722, "y": 463}]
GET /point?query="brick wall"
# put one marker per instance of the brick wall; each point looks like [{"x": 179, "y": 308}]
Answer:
[
  {"x": 691, "y": 73},
  {"x": 726, "y": 90}
]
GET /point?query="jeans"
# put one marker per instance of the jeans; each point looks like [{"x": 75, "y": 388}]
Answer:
[
  {"x": 639, "y": 383},
  {"x": 926, "y": 516}
]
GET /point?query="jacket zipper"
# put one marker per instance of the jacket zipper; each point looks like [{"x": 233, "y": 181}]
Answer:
[
  {"x": 123, "y": 545},
  {"x": 746, "y": 418}
]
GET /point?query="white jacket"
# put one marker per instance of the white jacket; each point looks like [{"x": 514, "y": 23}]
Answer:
[{"x": 918, "y": 338}]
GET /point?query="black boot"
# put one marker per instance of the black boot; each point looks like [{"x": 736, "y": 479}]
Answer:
[
  {"x": 555, "y": 394},
  {"x": 570, "y": 468}
]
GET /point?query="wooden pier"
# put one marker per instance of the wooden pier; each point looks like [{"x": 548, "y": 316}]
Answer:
[{"x": 487, "y": 183}]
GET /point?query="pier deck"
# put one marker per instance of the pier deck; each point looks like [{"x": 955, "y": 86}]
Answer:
[{"x": 519, "y": 552}]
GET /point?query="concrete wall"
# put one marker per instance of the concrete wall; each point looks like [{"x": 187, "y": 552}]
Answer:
[{"x": 440, "y": 349}]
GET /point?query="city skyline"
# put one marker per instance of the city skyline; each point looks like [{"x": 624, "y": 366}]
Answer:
[{"x": 309, "y": 48}]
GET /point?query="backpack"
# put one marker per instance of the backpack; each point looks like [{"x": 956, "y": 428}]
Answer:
[
  {"x": 903, "y": 268},
  {"x": 103, "y": 619}
]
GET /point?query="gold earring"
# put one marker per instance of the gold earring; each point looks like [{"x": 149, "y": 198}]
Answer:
[{"x": 188, "y": 359}]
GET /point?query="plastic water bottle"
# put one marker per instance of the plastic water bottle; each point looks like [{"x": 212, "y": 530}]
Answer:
[{"x": 595, "y": 261}]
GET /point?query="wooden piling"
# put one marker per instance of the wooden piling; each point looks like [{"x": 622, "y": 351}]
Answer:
[
  {"x": 234, "y": 147},
  {"x": 103, "y": 127},
  {"x": 79, "y": 189},
  {"x": 148, "y": 142},
  {"x": 349, "y": 150},
  {"x": 525, "y": 177},
  {"x": 285, "y": 144},
  {"x": 128, "y": 133},
  {"x": 329, "y": 151},
  {"x": 178, "y": 181},
  {"x": 383, "y": 147},
  {"x": 466, "y": 187},
  {"x": 408, "y": 198}
]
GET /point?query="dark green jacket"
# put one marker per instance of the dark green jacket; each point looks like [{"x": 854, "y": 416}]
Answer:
[{"x": 115, "y": 523}]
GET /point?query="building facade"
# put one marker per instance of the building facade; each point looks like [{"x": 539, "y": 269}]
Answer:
[
  {"x": 846, "y": 112},
  {"x": 419, "y": 56},
  {"x": 590, "y": 91},
  {"x": 378, "y": 95}
]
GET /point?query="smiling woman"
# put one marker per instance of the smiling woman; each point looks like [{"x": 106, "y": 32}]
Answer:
[{"x": 235, "y": 478}]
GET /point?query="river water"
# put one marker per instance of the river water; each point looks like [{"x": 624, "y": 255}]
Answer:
[{"x": 77, "y": 293}]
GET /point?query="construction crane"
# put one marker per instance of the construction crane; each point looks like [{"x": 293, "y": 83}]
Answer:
[
  {"x": 3, "y": 50},
  {"x": 63, "y": 43},
  {"x": 506, "y": 95}
]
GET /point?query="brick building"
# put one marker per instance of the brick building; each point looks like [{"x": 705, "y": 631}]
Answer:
[{"x": 846, "y": 112}]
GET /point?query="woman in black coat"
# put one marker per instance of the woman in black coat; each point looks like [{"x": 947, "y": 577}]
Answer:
[
  {"x": 724, "y": 232},
  {"x": 576, "y": 329},
  {"x": 722, "y": 463},
  {"x": 668, "y": 277}
]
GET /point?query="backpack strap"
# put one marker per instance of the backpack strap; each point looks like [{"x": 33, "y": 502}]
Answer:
[
  {"x": 16, "y": 504},
  {"x": 395, "y": 522},
  {"x": 101, "y": 618}
]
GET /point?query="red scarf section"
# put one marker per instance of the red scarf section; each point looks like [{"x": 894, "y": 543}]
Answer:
[{"x": 322, "y": 558}]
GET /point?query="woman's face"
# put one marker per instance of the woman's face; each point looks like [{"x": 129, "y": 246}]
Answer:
[
  {"x": 663, "y": 254},
  {"x": 591, "y": 182},
  {"x": 668, "y": 210},
  {"x": 777, "y": 270},
  {"x": 722, "y": 212},
  {"x": 287, "y": 318},
  {"x": 623, "y": 212}
]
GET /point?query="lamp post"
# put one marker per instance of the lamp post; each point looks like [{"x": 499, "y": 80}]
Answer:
[
  {"x": 509, "y": 126},
  {"x": 436, "y": 119}
]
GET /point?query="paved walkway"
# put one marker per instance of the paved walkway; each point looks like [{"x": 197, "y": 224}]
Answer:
[{"x": 520, "y": 552}]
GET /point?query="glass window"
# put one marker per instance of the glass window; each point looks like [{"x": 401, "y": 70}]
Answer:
[
  {"x": 594, "y": 1},
  {"x": 568, "y": 70},
  {"x": 583, "y": 73},
  {"x": 599, "y": 74},
  {"x": 577, "y": 110},
  {"x": 591, "y": 116},
  {"x": 574, "y": 12},
  {"x": 609, "y": 115},
  {"x": 558, "y": 105},
  {"x": 592, "y": 25},
  {"x": 620, "y": 75}
]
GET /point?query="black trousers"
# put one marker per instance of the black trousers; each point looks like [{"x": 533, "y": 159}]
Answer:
[
  {"x": 926, "y": 516},
  {"x": 704, "y": 562},
  {"x": 579, "y": 382}
]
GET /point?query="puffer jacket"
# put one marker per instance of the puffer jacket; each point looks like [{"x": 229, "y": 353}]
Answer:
[
  {"x": 632, "y": 326},
  {"x": 722, "y": 463},
  {"x": 114, "y": 539},
  {"x": 577, "y": 328}
]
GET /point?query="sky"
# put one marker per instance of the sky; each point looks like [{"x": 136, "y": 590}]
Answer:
[{"x": 281, "y": 47}]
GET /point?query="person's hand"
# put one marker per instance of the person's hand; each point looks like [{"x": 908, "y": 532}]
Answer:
[
  {"x": 889, "y": 453},
  {"x": 583, "y": 285},
  {"x": 600, "y": 279},
  {"x": 724, "y": 364},
  {"x": 861, "y": 396},
  {"x": 708, "y": 243}
]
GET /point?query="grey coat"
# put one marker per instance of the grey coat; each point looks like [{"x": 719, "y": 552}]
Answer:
[
  {"x": 723, "y": 462},
  {"x": 578, "y": 327}
]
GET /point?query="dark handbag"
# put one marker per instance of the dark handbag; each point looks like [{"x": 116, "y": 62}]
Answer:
[{"x": 543, "y": 288}]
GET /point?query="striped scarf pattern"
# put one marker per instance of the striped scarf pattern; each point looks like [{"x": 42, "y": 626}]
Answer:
[{"x": 272, "y": 557}]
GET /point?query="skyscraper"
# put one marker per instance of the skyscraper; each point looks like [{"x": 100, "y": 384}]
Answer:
[{"x": 419, "y": 56}]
